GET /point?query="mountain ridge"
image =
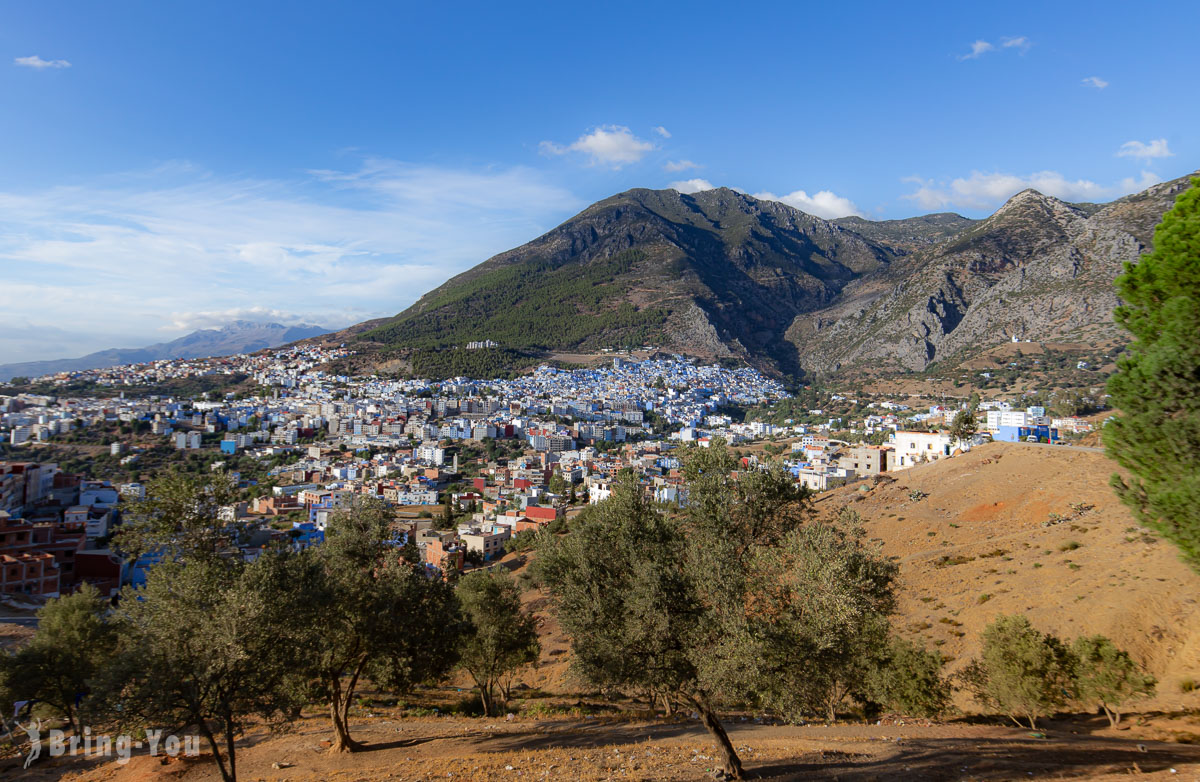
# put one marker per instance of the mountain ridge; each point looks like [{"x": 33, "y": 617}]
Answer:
[
  {"x": 239, "y": 336},
  {"x": 720, "y": 274}
]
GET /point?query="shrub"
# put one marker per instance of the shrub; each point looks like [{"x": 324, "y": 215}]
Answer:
[
  {"x": 909, "y": 680},
  {"x": 1107, "y": 676},
  {"x": 1021, "y": 672}
]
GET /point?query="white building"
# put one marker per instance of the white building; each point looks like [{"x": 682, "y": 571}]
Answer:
[{"x": 911, "y": 448}]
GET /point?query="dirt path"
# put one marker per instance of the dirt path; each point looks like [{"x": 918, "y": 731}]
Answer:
[{"x": 600, "y": 749}]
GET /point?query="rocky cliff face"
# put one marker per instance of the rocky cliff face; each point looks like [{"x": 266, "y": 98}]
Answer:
[{"x": 1038, "y": 269}]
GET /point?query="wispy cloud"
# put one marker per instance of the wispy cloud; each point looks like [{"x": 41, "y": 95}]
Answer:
[
  {"x": 173, "y": 245},
  {"x": 692, "y": 185},
  {"x": 608, "y": 145},
  {"x": 675, "y": 166},
  {"x": 191, "y": 321},
  {"x": 980, "y": 47},
  {"x": 1136, "y": 149},
  {"x": 660, "y": 130},
  {"x": 1020, "y": 43},
  {"x": 38, "y": 63},
  {"x": 1095, "y": 81},
  {"x": 988, "y": 190},
  {"x": 823, "y": 203}
]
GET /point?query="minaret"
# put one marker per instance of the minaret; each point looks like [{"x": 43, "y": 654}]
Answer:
[{"x": 456, "y": 464}]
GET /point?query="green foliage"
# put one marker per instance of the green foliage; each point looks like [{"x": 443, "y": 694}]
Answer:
[
  {"x": 74, "y": 641},
  {"x": 201, "y": 646},
  {"x": 1021, "y": 671},
  {"x": 1156, "y": 436},
  {"x": 362, "y": 609},
  {"x": 570, "y": 306},
  {"x": 1106, "y": 676},
  {"x": 908, "y": 679},
  {"x": 737, "y": 600},
  {"x": 488, "y": 362},
  {"x": 522, "y": 541},
  {"x": 502, "y": 637},
  {"x": 179, "y": 517},
  {"x": 964, "y": 425}
]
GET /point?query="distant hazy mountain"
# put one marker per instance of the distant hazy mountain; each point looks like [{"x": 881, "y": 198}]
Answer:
[{"x": 241, "y": 336}]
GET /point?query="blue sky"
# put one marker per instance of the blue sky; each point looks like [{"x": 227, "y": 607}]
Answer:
[{"x": 165, "y": 166}]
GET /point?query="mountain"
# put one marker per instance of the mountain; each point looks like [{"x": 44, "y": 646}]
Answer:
[
  {"x": 1039, "y": 269},
  {"x": 716, "y": 273},
  {"x": 721, "y": 274},
  {"x": 237, "y": 337}
]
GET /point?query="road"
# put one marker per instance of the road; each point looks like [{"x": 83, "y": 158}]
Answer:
[
  {"x": 1060, "y": 447},
  {"x": 25, "y": 621}
]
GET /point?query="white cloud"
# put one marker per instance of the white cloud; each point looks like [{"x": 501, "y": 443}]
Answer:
[
  {"x": 38, "y": 63},
  {"x": 175, "y": 245},
  {"x": 607, "y": 145},
  {"x": 1156, "y": 148},
  {"x": 660, "y": 130},
  {"x": 989, "y": 190},
  {"x": 982, "y": 47},
  {"x": 675, "y": 166},
  {"x": 191, "y": 321},
  {"x": 692, "y": 185},
  {"x": 1095, "y": 81},
  {"x": 1131, "y": 185},
  {"x": 1017, "y": 42},
  {"x": 977, "y": 49},
  {"x": 824, "y": 203}
]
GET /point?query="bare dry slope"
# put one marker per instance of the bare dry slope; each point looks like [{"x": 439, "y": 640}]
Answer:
[{"x": 984, "y": 542}]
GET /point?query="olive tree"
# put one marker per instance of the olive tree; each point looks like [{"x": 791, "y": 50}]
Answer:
[
  {"x": 501, "y": 638},
  {"x": 365, "y": 610},
  {"x": 200, "y": 647},
  {"x": 75, "y": 640},
  {"x": 1021, "y": 671},
  {"x": 1106, "y": 676},
  {"x": 730, "y": 601}
]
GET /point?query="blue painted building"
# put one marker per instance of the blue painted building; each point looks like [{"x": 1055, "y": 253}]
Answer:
[{"x": 1020, "y": 434}]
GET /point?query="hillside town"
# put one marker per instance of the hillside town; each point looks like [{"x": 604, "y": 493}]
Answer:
[{"x": 469, "y": 465}]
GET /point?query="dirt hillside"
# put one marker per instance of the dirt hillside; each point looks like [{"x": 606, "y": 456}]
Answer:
[
  {"x": 1015, "y": 528},
  {"x": 1008, "y": 528}
]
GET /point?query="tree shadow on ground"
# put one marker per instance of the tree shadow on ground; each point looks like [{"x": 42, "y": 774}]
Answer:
[{"x": 982, "y": 759}]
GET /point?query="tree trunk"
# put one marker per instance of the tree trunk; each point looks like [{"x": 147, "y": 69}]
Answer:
[
  {"x": 216, "y": 750},
  {"x": 230, "y": 750},
  {"x": 340, "y": 700},
  {"x": 733, "y": 764},
  {"x": 485, "y": 697},
  {"x": 1113, "y": 715},
  {"x": 341, "y": 732}
]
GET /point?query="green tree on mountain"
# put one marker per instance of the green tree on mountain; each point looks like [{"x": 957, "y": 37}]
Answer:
[{"x": 1156, "y": 435}]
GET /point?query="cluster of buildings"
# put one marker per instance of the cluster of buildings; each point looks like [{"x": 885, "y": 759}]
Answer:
[
  {"x": 51, "y": 527},
  {"x": 467, "y": 464}
]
